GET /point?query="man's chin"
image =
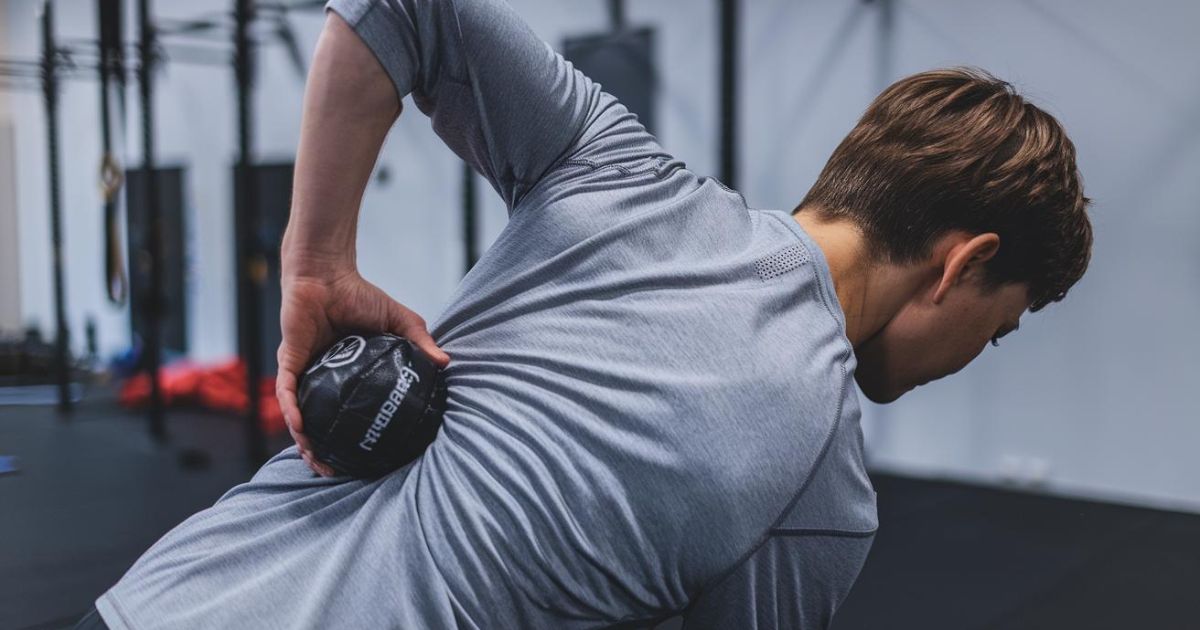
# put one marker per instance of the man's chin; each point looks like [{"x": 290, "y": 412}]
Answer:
[
  {"x": 881, "y": 394},
  {"x": 883, "y": 399}
]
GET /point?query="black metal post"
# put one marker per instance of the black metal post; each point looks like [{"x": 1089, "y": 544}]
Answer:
[
  {"x": 251, "y": 267},
  {"x": 150, "y": 258},
  {"x": 885, "y": 53},
  {"x": 616, "y": 14},
  {"x": 470, "y": 210},
  {"x": 729, "y": 11},
  {"x": 50, "y": 92}
]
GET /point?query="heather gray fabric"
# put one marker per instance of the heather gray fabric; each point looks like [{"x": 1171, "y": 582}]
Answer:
[{"x": 651, "y": 408}]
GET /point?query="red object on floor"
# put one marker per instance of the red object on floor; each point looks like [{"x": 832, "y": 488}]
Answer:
[{"x": 221, "y": 387}]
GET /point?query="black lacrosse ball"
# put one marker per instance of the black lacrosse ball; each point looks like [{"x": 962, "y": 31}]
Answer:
[{"x": 371, "y": 404}]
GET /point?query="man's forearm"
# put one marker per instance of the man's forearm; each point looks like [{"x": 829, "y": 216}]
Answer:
[{"x": 349, "y": 105}]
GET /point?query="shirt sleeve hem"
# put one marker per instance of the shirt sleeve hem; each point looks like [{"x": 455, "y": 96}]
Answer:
[
  {"x": 375, "y": 29},
  {"x": 110, "y": 611}
]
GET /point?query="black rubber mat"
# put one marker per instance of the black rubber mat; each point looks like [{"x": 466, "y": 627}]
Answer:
[
  {"x": 93, "y": 491},
  {"x": 956, "y": 556}
]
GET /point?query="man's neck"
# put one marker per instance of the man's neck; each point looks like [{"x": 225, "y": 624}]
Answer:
[{"x": 870, "y": 294}]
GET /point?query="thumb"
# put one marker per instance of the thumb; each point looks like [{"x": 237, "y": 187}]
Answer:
[
  {"x": 423, "y": 340},
  {"x": 412, "y": 327}
]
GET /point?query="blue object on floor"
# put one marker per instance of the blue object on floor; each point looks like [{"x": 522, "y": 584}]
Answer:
[
  {"x": 8, "y": 464},
  {"x": 37, "y": 394}
]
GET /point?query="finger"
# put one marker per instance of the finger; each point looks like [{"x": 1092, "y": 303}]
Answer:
[
  {"x": 408, "y": 324},
  {"x": 299, "y": 438},
  {"x": 316, "y": 466},
  {"x": 285, "y": 392},
  {"x": 302, "y": 442},
  {"x": 308, "y": 461},
  {"x": 424, "y": 341}
]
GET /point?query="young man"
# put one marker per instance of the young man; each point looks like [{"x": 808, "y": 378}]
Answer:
[{"x": 651, "y": 410}]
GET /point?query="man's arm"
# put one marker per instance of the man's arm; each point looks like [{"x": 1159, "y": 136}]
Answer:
[
  {"x": 349, "y": 105},
  {"x": 498, "y": 95},
  {"x": 501, "y": 98},
  {"x": 348, "y": 108}
]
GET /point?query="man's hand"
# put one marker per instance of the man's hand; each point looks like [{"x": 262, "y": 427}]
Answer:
[
  {"x": 349, "y": 105},
  {"x": 316, "y": 310}
]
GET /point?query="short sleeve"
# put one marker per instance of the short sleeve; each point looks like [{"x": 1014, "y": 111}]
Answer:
[{"x": 501, "y": 98}]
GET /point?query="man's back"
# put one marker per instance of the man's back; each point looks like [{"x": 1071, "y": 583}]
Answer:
[
  {"x": 650, "y": 412},
  {"x": 636, "y": 399}
]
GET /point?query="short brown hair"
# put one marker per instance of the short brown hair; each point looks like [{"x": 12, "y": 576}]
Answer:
[{"x": 958, "y": 148}]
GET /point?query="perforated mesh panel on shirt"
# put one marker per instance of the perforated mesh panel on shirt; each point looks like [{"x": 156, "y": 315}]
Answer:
[{"x": 781, "y": 261}]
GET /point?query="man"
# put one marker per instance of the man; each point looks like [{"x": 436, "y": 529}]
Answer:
[{"x": 651, "y": 410}]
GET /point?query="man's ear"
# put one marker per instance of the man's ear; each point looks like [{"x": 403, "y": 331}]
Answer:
[{"x": 963, "y": 256}]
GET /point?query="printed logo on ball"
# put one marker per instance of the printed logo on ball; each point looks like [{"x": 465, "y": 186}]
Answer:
[
  {"x": 342, "y": 353},
  {"x": 396, "y": 398}
]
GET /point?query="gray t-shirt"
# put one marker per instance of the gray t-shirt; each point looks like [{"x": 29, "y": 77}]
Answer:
[{"x": 651, "y": 409}]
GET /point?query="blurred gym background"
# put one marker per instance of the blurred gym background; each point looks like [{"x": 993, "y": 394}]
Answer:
[{"x": 146, "y": 149}]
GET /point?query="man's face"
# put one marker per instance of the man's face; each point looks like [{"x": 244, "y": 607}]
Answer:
[{"x": 926, "y": 341}]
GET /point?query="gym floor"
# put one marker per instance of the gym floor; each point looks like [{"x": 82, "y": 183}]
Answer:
[{"x": 94, "y": 491}]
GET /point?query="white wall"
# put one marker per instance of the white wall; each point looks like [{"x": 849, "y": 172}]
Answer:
[
  {"x": 1093, "y": 394},
  {"x": 412, "y": 221},
  {"x": 194, "y": 127}
]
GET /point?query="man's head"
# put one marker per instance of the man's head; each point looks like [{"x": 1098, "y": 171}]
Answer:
[{"x": 953, "y": 176}]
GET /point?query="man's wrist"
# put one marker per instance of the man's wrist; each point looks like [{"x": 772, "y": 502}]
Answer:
[{"x": 301, "y": 262}]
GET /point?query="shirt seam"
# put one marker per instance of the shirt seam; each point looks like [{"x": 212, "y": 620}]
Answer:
[
  {"x": 774, "y": 531},
  {"x": 820, "y": 456},
  {"x": 449, "y": 77},
  {"x": 825, "y": 291},
  {"x": 392, "y": 17},
  {"x": 354, "y": 25},
  {"x": 591, "y": 166},
  {"x": 786, "y": 532},
  {"x": 655, "y": 166},
  {"x": 730, "y": 190},
  {"x": 768, "y": 533},
  {"x": 528, "y": 185}
]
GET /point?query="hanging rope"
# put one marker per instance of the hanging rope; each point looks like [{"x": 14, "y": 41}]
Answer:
[{"x": 116, "y": 283}]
